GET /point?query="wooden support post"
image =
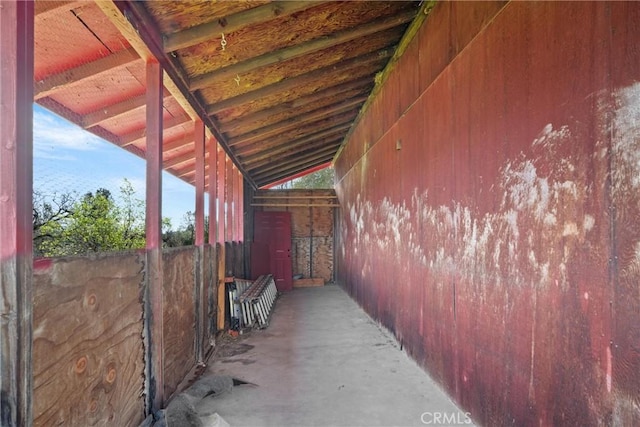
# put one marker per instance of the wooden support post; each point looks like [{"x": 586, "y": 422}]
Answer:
[
  {"x": 221, "y": 201},
  {"x": 199, "y": 147},
  {"x": 16, "y": 188},
  {"x": 229, "y": 199},
  {"x": 240, "y": 207},
  {"x": 222, "y": 169},
  {"x": 154, "y": 287},
  {"x": 199, "y": 288},
  {"x": 237, "y": 187},
  {"x": 212, "y": 146}
]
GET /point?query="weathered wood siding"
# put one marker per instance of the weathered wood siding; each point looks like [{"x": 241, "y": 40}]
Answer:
[
  {"x": 88, "y": 357},
  {"x": 179, "y": 314},
  {"x": 490, "y": 203}
]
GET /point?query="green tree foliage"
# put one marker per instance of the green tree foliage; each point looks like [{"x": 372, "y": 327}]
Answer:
[
  {"x": 321, "y": 179},
  {"x": 92, "y": 223},
  {"x": 185, "y": 235}
]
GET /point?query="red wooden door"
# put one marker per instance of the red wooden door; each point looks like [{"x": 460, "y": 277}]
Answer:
[{"x": 272, "y": 247}]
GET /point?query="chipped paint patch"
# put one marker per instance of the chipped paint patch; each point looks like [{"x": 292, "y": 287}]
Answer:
[{"x": 487, "y": 248}]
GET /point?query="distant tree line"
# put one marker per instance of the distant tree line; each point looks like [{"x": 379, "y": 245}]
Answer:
[
  {"x": 322, "y": 179},
  {"x": 65, "y": 224}
]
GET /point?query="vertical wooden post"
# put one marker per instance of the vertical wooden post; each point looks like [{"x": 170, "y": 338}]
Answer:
[
  {"x": 221, "y": 185},
  {"x": 229, "y": 199},
  {"x": 199, "y": 146},
  {"x": 212, "y": 146},
  {"x": 222, "y": 169},
  {"x": 199, "y": 295},
  {"x": 154, "y": 287},
  {"x": 239, "y": 202},
  {"x": 16, "y": 188}
]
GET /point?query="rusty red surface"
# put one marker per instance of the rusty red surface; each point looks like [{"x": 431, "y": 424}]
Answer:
[{"x": 491, "y": 221}]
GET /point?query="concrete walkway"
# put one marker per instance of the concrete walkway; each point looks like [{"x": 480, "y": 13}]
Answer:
[{"x": 323, "y": 362}]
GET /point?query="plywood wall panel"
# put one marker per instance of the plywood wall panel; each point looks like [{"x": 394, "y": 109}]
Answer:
[
  {"x": 179, "y": 315},
  {"x": 88, "y": 357}
]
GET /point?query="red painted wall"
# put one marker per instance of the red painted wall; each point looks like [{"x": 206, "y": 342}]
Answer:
[{"x": 491, "y": 209}]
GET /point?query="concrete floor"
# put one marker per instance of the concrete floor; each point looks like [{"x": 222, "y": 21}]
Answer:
[{"x": 323, "y": 362}]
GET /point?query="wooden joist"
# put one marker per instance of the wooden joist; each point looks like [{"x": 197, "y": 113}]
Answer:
[
  {"x": 301, "y": 49},
  {"x": 291, "y": 170},
  {"x": 54, "y": 82},
  {"x": 276, "y": 145},
  {"x": 294, "y": 122},
  {"x": 114, "y": 110},
  {"x": 296, "y": 158},
  {"x": 248, "y": 119},
  {"x": 301, "y": 80},
  {"x": 229, "y": 24},
  {"x": 337, "y": 139},
  {"x": 138, "y": 134}
]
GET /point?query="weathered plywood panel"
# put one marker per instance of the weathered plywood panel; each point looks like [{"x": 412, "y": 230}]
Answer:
[
  {"x": 88, "y": 356},
  {"x": 510, "y": 211},
  {"x": 179, "y": 315},
  {"x": 211, "y": 286}
]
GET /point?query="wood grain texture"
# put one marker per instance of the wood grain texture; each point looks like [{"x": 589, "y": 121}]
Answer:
[
  {"x": 211, "y": 291},
  {"x": 88, "y": 356},
  {"x": 179, "y": 315}
]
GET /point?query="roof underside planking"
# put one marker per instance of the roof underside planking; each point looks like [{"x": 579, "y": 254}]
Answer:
[{"x": 277, "y": 84}]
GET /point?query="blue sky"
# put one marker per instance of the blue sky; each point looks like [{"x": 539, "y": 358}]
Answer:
[{"x": 67, "y": 159}]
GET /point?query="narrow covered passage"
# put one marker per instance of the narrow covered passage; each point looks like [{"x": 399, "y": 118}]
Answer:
[{"x": 323, "y": 362}]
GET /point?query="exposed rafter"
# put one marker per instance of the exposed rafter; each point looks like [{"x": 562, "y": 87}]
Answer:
[
  {"x": 248, "y": 119},
  {"x": 312, "y": 116},
  {"x": 300, "y": 80},
  {"x": 289, "y": 138},
  {"x": 294, "y": 159},
  {"x": 114, "y": 110},
  {"x": 178, "y": 143},
  {"x": 134, "y": 136},
  {"x": 288, "y": 172},
  {"x": 228, "y": 24},
  {"x": 54, "y": 82},
  {"x": 181, "y": 159},
  {"x": 274, "y": 157},
  {"x": 42, "y": 7},
  {"x": 300, "y": 49}
]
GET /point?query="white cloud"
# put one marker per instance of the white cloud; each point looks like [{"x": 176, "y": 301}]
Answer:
[{"x": 53, "y": 136}]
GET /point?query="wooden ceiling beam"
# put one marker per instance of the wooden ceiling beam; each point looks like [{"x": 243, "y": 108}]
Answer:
[
  {"x": 271, "y": 157},
  {"x": 231, "y": 23},
  {"x": 248, "y": 119},
  {"x": 54, "y": 82},
  {"x": 290, "y": 172},
  {"x": 170, "y": 163},
  {"x": 300, "y": 80},
  {"x": 301, "y": 49},
  {"x": 296, "y": 158},
  {"x": 139, "y": 29},
  {"x": 178, "y": 143},
  {"x": 296, "y": 175},
  {"x": 114, "y": 110},
  {"x": 257, "y": 151},
  {"x": 307, "y": 130},
  {"x": 45, "y": 6},
  {"x": 190, "y": 171},
  {"x": 297, "y": 121},
  {"x": 137, "y": 134}
]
